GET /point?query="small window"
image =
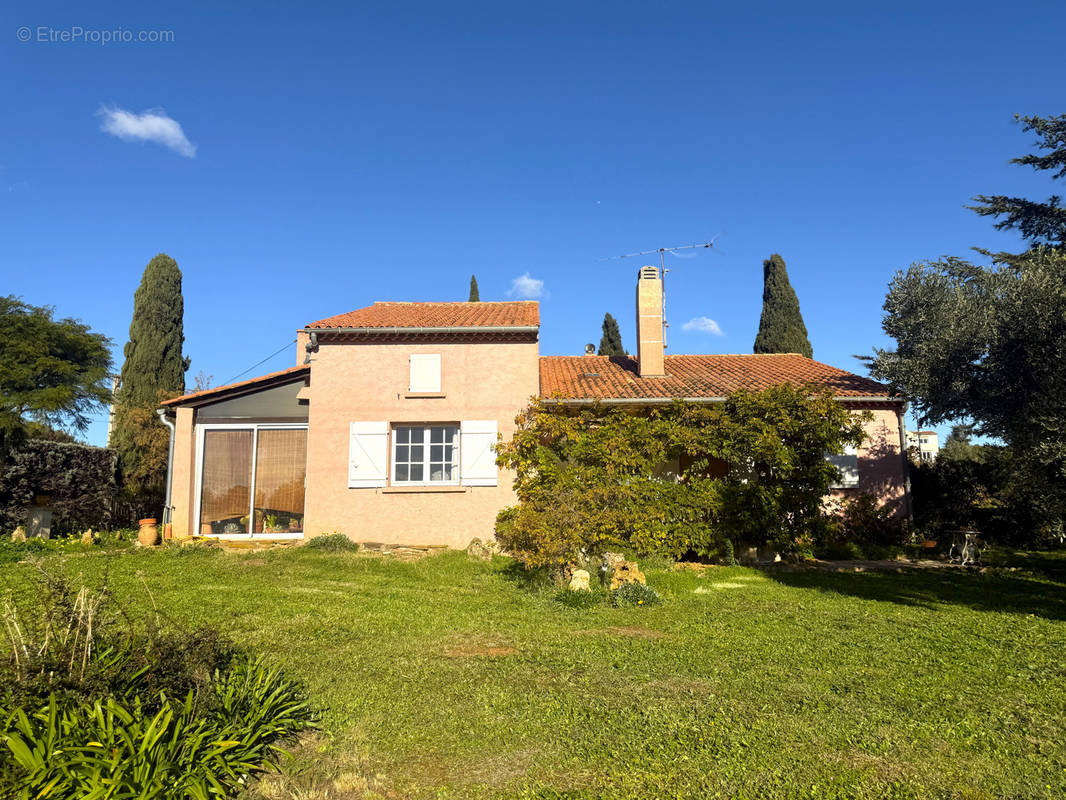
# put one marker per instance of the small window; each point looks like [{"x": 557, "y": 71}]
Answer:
[
  {"x": 425, "y": 454},
  {"x": 848, "y": 464},
  {"x": 425, "y": 373}
]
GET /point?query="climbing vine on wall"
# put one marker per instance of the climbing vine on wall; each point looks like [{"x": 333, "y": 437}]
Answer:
[{"x": 673, "y": 479}]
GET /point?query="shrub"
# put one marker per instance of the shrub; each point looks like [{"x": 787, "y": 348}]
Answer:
[
  {"x": 634, "y": 594},
  {"x": 839, "y": 551},
  {"x": 751, "y": 470},
  {"x": 99, "y": 704},
  {"x": 867, "y": 522},
  {"x": 332, "y": 543},
  {"x": 110, "y": 748},
  {"x": 80, "y": 480}
]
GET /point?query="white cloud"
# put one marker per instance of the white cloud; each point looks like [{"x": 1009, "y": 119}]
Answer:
[
  {"x": 702, "y": 325},
  {"x": 527, "y": 287},
  {"x": 151, "y": 126}
]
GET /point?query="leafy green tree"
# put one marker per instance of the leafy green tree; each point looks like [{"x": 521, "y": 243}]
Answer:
[
  {"x": 154, "y": 369},
  {"x": 957, "y": 445},
  {"x": 986, "y": 343},
  {"x": 53, "y": 373},
  {"x": 598, "y": 478},
  {"x": 611, "y": 341},
  {"x": 781, "y": 328},
  {"x": 1038, "y": 223},
  {"x": 475, "y": 295}
]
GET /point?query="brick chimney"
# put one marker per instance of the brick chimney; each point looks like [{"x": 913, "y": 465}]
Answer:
[{"x": 650, "y": 322}]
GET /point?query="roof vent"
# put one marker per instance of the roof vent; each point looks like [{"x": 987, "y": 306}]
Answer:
[{"x": 590, "y": 349}]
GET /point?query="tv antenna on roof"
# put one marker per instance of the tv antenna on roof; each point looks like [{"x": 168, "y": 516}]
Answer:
[{"x": 662, "y": 251}]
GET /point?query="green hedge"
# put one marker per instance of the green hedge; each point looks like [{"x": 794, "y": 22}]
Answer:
[{"x": 79, "y": 478}]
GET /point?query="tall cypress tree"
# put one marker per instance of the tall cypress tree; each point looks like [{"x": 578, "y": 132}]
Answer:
[
  {"x": 475, "y": 296},
  {"x": 154, "y": 368},
  {"x": 611, "y": 341},
  {"x": 781, "y": 328}
]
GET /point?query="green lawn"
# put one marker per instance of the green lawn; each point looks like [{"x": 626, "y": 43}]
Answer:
[{"x": 448, "y": 678}]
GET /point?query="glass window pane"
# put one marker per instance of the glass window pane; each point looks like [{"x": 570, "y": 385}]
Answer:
[
  {"x": 436, "y": 435},
  {"x": 403, "y": 435},
  {"x": 449, "y": 454},
  {"x": 417, "y": 452},
  {"x": 436, "y": 472},
  {"x": 416, "y": 472},
  {"x": 416, "y": 435},
  {"x": 226, "y": 481},
  {"x": 280, "y": 469},
  {"x": 452, "y": 435},
  {"x": 401, "y": 472},
  {"x": 449, "y": 472},
  {"x": 436, "y": 452},
  {"x": 402, "y": 453}
]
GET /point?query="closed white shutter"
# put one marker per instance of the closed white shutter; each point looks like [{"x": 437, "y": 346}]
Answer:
[
  {"x": 425, "y": 373},
  {"x": 477, "y": 453},
  {"x": 368, "y": 450},
  {"x": 848, "y": 464}
]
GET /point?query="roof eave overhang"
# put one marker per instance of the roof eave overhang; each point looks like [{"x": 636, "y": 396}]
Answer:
[{"x": 224, "y": 393}]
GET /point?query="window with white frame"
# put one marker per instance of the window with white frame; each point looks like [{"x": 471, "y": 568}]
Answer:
[
  {"x": 848, "y": 465},
  {"x": 425, "y": 454}
]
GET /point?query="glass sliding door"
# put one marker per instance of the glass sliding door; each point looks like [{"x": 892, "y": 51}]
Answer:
[
  {"x": 280, "y": 469},
  {"x": 226, "y": 481},
  {"x": 252, "y": 479}
]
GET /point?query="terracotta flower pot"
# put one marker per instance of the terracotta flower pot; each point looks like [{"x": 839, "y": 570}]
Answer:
[{"x": 148, "y": 535}]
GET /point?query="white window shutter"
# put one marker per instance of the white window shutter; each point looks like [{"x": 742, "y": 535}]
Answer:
[
  {"x": 848, "y": 464},
  {"x": 477, "y": 453},
  {"x": 425, "y": 373},
  {"x": 368, "y": 450}
]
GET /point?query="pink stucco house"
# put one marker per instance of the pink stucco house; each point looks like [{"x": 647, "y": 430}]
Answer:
[{"x": 384, "y": 430}]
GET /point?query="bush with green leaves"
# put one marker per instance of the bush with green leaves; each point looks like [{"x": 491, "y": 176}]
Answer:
[
  {"x": 748, "y": 471},
  {"x": 332, "y": 543},
  {"x": 97, "y": 703},
  {"x": 111, "y": 748},
  {"x": 79, "y": 479},
  {"x": 634, "y": 594}
]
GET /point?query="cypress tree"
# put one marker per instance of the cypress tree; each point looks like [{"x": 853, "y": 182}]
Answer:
[
  {"x": 611, "y": 341},
  {"x": 154, "y": 368},
  {"x": 781, "y": 328},
  {"x": 475, "y": 296}
]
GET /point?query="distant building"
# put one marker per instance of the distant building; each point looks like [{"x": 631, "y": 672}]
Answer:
[{"x": 925, "y": 443}]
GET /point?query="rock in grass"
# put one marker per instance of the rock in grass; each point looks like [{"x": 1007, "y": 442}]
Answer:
[
  {"x": 579, "y": 581},
  {"x": 626, "y": 572},
  {"x": 483, "y": 551},
  {"x": 19, "y": 535}
]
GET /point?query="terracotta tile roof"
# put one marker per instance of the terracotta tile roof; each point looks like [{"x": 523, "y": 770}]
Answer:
[
  {"x": 270, "y": 377},
  {"x": 615, "y": 377},
  {"x": 524, "y": 313}
]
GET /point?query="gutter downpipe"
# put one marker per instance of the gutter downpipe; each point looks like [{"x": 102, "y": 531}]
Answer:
[
  {"x": 901, "y": 422},
  {"x": 162, "y": 412}
]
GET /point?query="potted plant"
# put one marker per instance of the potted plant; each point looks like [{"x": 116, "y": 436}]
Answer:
[{"x": 148, "y": 534}]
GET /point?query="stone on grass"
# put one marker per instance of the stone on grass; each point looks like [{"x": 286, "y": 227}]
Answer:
[
  {"x": 626, "y": 572},
  {"x": 88, "y": 537},
  {"x": 579, "y": 581},
  {"x": 483, "y": 551},
  {"x": 19, "y": 535}
]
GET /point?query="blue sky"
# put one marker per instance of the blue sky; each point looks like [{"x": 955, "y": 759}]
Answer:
[{"x": 346, "y": 154}]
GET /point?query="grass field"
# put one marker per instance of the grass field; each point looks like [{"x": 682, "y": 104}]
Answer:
[{"x": 451, "y": 678}]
